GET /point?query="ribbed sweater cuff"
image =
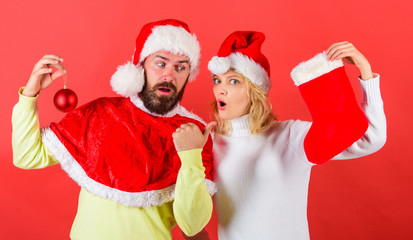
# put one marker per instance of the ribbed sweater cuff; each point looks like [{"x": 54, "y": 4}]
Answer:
[
  {"x": 191, "y": 159},
  {"x": 27, "y": 102},
  {"x": 371, "y": 89}
]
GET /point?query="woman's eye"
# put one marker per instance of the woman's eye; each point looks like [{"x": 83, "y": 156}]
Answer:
[
  {"x": 233, "y": 81},
  {"x": 216, "y": 81}
]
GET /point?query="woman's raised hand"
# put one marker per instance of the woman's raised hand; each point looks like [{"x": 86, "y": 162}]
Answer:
[{"x": 349, "y": 53}]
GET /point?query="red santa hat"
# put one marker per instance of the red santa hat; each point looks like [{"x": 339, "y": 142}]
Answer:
[
  {"x": 169, "y": 35},
  {"x": 241, "y": 51}
]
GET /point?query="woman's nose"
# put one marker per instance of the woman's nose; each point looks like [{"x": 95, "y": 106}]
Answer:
[{"x": 222, "y": 90}]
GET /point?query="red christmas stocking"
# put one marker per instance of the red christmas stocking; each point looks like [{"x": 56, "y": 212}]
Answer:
[{"x": 337, "y": 118}]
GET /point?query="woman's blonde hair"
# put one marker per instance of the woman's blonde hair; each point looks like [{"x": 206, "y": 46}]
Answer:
[{"x": 259, "y": 110}]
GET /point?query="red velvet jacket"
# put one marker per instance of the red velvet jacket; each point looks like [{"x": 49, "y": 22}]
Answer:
[{"x": 119, "y": 151}]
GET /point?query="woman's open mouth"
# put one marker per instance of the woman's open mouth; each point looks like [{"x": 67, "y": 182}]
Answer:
[{"x": 221, "y": 104}]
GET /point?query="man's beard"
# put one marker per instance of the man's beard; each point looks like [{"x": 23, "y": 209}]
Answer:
[{"x": 161, "y": 104}]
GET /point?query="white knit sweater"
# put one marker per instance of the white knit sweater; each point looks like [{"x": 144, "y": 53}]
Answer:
[{"x": 263, "y": 179}]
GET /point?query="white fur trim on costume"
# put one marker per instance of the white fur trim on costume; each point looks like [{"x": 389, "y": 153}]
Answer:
[
  {"x": 133, "y": 199},
  {"x": 244, "y": 65},
  {"x": 314, "y": 68},
  {"x": 128, "y": 80},
  {"x": 175, "y": 40}
]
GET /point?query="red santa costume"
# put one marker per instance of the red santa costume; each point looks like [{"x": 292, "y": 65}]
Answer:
[{"x": 108, "y": 148}]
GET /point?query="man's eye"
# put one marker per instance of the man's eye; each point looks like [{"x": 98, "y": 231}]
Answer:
[
  {"x": 160, "y": 64},
  {"x": 180, "y": 68},
  {"x": 216, "y": 81},
  {"x": 233, "y": 81}
]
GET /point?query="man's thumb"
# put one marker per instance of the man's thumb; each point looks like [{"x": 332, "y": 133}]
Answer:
[{"x": 208, "y": 128}]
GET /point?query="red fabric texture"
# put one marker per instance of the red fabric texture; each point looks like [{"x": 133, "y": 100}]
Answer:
[
  {"x": 338, "y": 120},
  {"x": 147, "y": 30},
  {"x": 247, "y": 43},
  {"x": 122, "y": 147}
]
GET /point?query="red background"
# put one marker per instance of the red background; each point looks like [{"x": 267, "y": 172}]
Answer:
[{"x": 368, "y": 198}]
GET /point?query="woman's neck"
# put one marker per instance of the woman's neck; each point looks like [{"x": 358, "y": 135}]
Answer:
[{"x": 240, "y": 127}]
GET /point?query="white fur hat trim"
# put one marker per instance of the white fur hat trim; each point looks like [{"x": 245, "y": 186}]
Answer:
[
  {"x": 244, "y": 65},
  {"x": 175, "y": 40}
]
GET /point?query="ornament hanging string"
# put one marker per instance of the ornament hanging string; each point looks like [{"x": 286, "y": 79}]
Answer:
[{"x": 65, "y": 80}]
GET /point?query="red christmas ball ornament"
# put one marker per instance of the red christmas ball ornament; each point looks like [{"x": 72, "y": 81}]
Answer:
[{"x": 65, "y": 99}]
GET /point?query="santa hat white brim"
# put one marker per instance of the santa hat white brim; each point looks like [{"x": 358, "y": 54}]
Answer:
[{"x": 243, "y": 65}]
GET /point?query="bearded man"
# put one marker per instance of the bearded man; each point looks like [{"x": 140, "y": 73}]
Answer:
[{"x": 139, "y": 171}]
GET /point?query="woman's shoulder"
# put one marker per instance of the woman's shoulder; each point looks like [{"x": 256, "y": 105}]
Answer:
[{"x": 288, "y": 125}]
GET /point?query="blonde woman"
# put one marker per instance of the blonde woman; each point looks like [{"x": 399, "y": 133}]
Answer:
[{"x": 263, "y": 165}]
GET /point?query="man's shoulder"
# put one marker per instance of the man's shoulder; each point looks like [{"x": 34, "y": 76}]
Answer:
[
  {"x": 113, "y": 100},
  {"x": 100, "y": 106},
  {"x": 103, "y": 102}
]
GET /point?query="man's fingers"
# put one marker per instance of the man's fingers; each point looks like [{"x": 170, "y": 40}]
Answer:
[
  {"x": 193, "y": 127},
  {"x": 45, "y": 62},
  {"x": 42, "y": 71},
  {"x": 59, "y": 67},
  {"x": 187, "y": 126},
  {"x": 53, "y": 56},
  {"x": 58, "y": 74}
]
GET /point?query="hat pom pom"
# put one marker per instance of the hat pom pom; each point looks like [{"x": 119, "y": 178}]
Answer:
[
  {"x": 219, "y": 65},
  {"x": 128, "y": 80}
]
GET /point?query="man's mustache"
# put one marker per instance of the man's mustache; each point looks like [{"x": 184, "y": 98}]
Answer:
[{"x": 165, "y": 85}]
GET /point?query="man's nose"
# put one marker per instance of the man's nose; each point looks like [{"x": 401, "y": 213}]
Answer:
[{"x": 168, "y": 74}]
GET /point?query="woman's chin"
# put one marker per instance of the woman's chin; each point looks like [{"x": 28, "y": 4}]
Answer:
[{"x": 226, "y": 116}]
